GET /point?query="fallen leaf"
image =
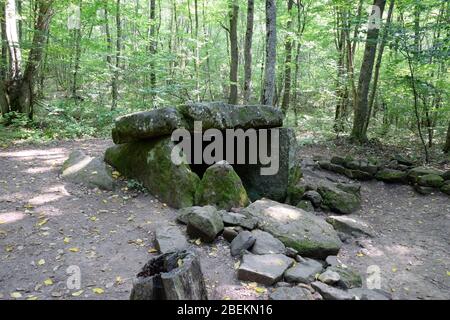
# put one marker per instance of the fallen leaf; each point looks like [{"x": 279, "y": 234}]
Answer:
[
  {"x": 41, "y": 262},
  {"x": 360, "y": 254},
  {"x": 16, "y": 295},
  {"x": 180, "y": 263},
  {"x": 74, "y": 249},
  {"x": 98, "y": 290},
  {"x": 152, "y": 250},
  {"x": 394, "y": 269},
  {"x": 119, "y": 280},
  {"x": 237, "y": 264},
  {"x": 42, "y": 222},
  {"x": 93, "y": 218},
  {"x": 198, "y": 242},
  {"x": 260, "y": 290},
  {"x": 48, "y": 282},
  {"x": 448, "y": 273},
  {"x": 77, "y": 293},
  {"x": 32, "y": 297}
]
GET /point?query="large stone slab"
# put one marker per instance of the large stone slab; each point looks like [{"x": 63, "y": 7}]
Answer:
[
  {"x": 331, "y": 293},
  {"x": 266, "y": 243},
  {"x": 264, "y": 269},
  {"x": 304, "y": 271},
  {"x": 144, "y": 125},
  {"x": 350, "y": 225},
  {"x": 150, "y": 163},
  {"x": 307, "y": 233},
  {"x": 220, "y": 115}
]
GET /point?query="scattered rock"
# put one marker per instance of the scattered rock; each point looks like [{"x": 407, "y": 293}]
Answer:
[
  {"x": 329, "y": 277},
  {"x": 304, "y": 272},
  {"x": 305, "y": 205},
  {"x": 264, "y": 269},
  {"x": 314, "y": 197},
  {"x": 446, "y": 187},
  {"x": 332, "y": 261},
  {"x": 221, "y": 187},
  {"x": 415, "y": 173},
  {"x": 368, "y": 294},
  {"x": 291, "y": 252},
  {"x": 229, "y": 233},
  {"x": 83, "y": 169},
  {"x": 402, "y": 160},
  {"x": 237, "y": 219},
  {"x": 205, "y": 224},
  {"x": 243, "y": 241},
  {"x": 266, "y": 243},
  {"x": 430, "y": 180},
  {"x": 350, "y": 225},
  {"x": 183, "y": 214},
  {"x": 391, "y": 176},
  {"x": 291, "y": 293},
  {"x": 338, "y": 200},
  {"x": 423, "y": 190},
  {"x": 331, "y": 293},
  {"x": 307, "y": 233},
  {"x": 354, "y": 188},
  {"x": 170, "y": 239},
  {"x": 349, "y": 278}
]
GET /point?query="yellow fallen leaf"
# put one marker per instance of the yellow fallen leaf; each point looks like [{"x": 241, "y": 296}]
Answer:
[
  {"x": 2, "y": 222},
  {"x": 9, "y": 248},
  {"x": 152, "y": 250},
  {"x": 32, "y": 297},
  {"x": 93, "y": 218},
  {"x": 66, "y": 240},
  {"x": 41, "y": 262},
  {"x": 16, "y": 295},
  {"x": 360, "y": 254},
  {"x": 260, "y": 290},
  {"x": 448, "y": 273},
  {"x": 180, "y": 263},
  {"x": 77, "y": 293},
  {"x": 237, "y": 264},
  {"x": 42, "y": 222},
  {"x": 48, "y": 282},
  {"x": 28, "y": 206},
  {"x": 98, "y": 290},
  {"x": 226, "y": 298},
  {"x": 119, "y": 280},
  {"x": 394, "y": 269},
  {"x": 139, "y": 241},
  {"x": 74, "y": 249},
  {"x": 198, "y": 242}
]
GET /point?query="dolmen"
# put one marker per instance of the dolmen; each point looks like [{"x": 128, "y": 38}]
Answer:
[{"x": 206, "y": 153}]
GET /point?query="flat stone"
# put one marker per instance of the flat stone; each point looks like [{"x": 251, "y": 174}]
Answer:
[
  {"x": 291, "y": 252},
  {"x": 229, "y": 233},
  {"x": 307, "y": 233},
  {"x": 237, "y": 219},
  {"x": 338, "y": 200},
  {"x": 266, "y": 243},
  {"x": 205, "y": 224},
  {"x": 430, "y": 180},
  {"x": 264, "y": 269},
  {"x": 415, "y": 173},
  {"x": 304, "y": 272},
  {"x": 329, "y": 277},
  {"x": 350, "y": 225},
  {"x": 391, "y": 176},
  {"x": 291, "y": 293},
  {"x": 331, "y": 293},
  {"x": 348, "y": 278},
  {"x": 370, "y": 294},
  {"x": 170, "y": 239},
  {"x": 243, "y": 241}
]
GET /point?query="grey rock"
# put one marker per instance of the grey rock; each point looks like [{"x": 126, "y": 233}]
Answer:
[
  {"x": 314, "y": 197},
  {"x": 264, "y": 269},
  {"x": 170, "y": 239},
  {"x": 291, "y": 252},
  {"x": 83, "y": 169},
  {"x": 370, "y": 294},
  {"x": 304, "y": 272},
  {"x": 331, "y": 293},
  {"x": 332, "y": 261},
  {"x": 307, "y": 233},
  {"x": 350, "y": 225},
  {"x": 391, "y": 176},
  {"x": 424, "y": 190},
  {"x": 305, "y": 205},
  {"x": 237, "y": 219},
  {"x": 415, "y": 173},
  {"x": 184, "y": 213},
  {"x": 229, "y": 233},
  {"x": 266, "y": 243},
  {"x": 329, "y": 277},
  {"x": 291, "y": 293},
  {"x": 242, "y": 242},
  {"x": 205, "y": 224},
  {"x": 337, "y": 199},
  {"x": 430, "y": 180},
  {"x": 349, "y": 278}
]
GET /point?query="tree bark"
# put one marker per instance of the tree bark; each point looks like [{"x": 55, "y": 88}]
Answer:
[
  {"x": 359, "y": 132},
  {"x": 77, "y": 36},
  {"x": 271, "y": 53},
  {"x": 234, "y": 64},
  {"x": 152, "y": 48},
  {"x": 447, "y": 141},
  {"x": 287, "y": 62},
  {"x": 248, "y": 52}
]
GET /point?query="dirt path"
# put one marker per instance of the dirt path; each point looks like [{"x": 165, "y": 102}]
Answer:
[{"x": 48, "y": 225}]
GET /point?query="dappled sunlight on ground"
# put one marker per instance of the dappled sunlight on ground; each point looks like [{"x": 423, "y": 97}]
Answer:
[{"x": 10, "y": 217}]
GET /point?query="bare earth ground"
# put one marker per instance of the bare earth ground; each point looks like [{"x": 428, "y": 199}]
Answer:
[{"x": 48, "y": 225}]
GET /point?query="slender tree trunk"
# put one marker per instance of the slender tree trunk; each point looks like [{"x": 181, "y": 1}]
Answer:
[
  {"x": 447, "y": 141},
  {"x": 234, "y": 64},
  {"x": 359, "y": 132},
  {"x": 271, "y": 53},
  {"x": 153, "y": 48},
  {"x": 287, "y": 62},
  {"x": 77, "y": 33},
  {"x": 248, "y": 52},
  {"x": 115, "y": 79}
]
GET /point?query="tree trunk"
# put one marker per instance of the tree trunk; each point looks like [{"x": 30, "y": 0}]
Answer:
[
  {"x": 287, "y": 62},
  {"x": 271, "y": 53},
  {"x": 447, "y": 141},
  {"x": 115, "y": 80},
  {"x": 153, "y": 48},
  {"x": 77, "y": 36},
  {"x": 234, "y": 14},
  {"x": 359, "y": 132},
  {"x": 248, "y": 52}
]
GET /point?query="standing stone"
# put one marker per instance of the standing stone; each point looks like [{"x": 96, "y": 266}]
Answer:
[
  {"x": 264, "y": 269},
  {"x": 170, "y": 239},
  {"x": 307, "y": 233},
  {"x": 205, "y": 224},
  {"x": 221, "y": 187},
  {"x": 266, "y": 243},
  {"x": 242, "y": 242},
  {"x": 304, "y": 272},
  {"x": 331, "y": 293}
]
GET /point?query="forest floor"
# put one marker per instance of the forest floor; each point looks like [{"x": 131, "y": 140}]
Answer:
[{"x": 48, "y": 225}]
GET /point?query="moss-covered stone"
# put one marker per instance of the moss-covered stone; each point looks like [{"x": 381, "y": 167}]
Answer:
[
  {"x": 430, "y": 180},
  {"x": 415, "y": 173},
  {"x": 150, "y": 163},
  {"x": 305, "y": 205},
  {"x": 348, "y": 278},
  {"x": 391, "y": 176},
  {"x": 338, "y": 200},
  {"x": 446, "y": 187},
  {"x": 222, "y": 188},
  {"x": 204, "y": 223}
]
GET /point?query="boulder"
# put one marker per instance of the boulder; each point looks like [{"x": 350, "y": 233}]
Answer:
[
  {"x": 307, "y": 233},
  {"x": 338, "y": 200},
  {"x": 446, "y": 187},
  {"x": 305, "y": 205},
  {"x": 354, "y": 188},
  {"x": 184, "y": 213},
  {"x": 83, "y": 169},
  {"x": 331, "y": 293},
  {"x": 264, "y": 269},
  {"x": 221, "y": 187},
  {"x": 446, "y": 175},
  {"x": 402, "y": 160},
  {"x": 291, "y": 293},
  {"x": 205, "y": 224},
  {"x": 359, "y": 175},
  {"x": 415, "y": 173},
  {"x": 363, "y": 166},
  {"x": 266, "y": 243},
  {"x": 348, "y": 278},
  {"x": 229, "y": 233},
  {"x": 350, "y": 225},
  {"x": 314, "y": 197},
  {"x": 327, "y": 165},
  {"x": 144, "y": 125},
  {"x": 391, "y": 176},
  {"x": 219, "y": 115},
  {"x": 150, "y": 163},
  {"x": 332, "y": 261},
  {"x": 370, "y": 294},
  {"x": 304, "y": 271},
  {"x": 424, "y": 190},
  {"x": 329, "y": 277},
  {"x": 170, "y": 239},
  {"x": 243, "y": 241},
  {"x": 237, "y": 219},
  {"x": 430, "y": 180}
]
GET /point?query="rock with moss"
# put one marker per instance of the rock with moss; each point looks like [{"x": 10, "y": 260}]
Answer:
[
  {"x": 150, "y": 163},
  {"x": 221, "y": 187},
  {"x": 147, "y": 124},
  {"x": 338, "y": 200},
  {"x": 350, "y": 225},
  {"x": 430, "y": 180},
  {"x": 425, "y": 191},
  {"x": 446, "y": 187},
  {"x": 348, "y": 278},
  {"x": 305, "y": 205},
  {"x": 446, "y": 175},
  {"x": 205, "y": 224},
  {"x": 83, "y": 169},
  {"x": 303, "y": 231},
  {"x": 220, "y": 115},
  {"x": 391, "y": 176},
  {"x": 415, "y": 173}
]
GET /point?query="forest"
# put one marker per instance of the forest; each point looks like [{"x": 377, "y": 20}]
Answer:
[{"x": 347, "y": 101}]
